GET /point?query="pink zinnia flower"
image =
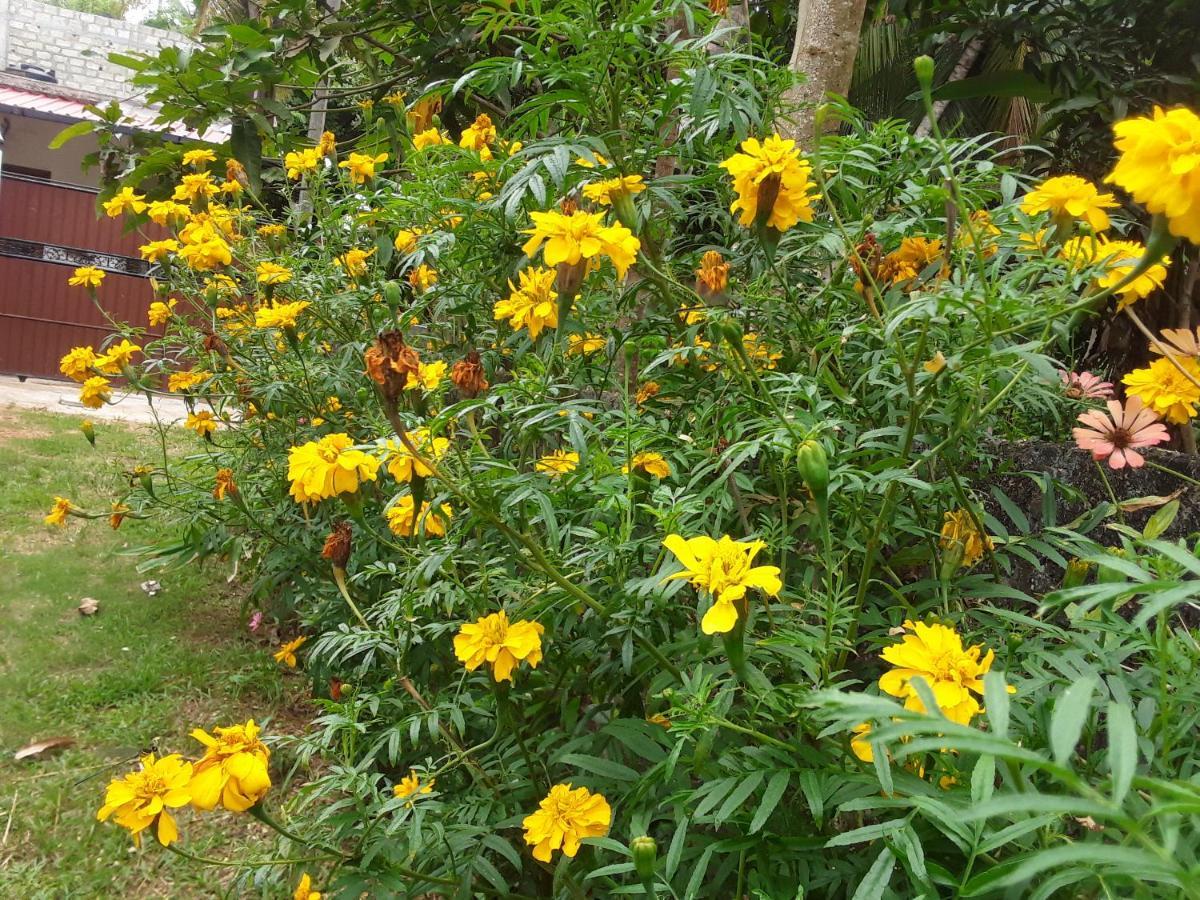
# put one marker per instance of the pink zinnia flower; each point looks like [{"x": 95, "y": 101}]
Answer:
[
  {"x": 1116, "y": 438},
  {"x": 256, "y": 620},
  {"x": 1085, "y": 386}
]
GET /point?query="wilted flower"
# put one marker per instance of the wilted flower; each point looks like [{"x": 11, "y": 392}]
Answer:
[
  {"x": 468, "y": 375},
  {"x": 712, "y": 277},
  {"x": 224, "y": 484},
  {"x": 1117, "y": 436},
  {"x": 961, "y": 536},
  {"x": 564, "y": 818},
  {"x": 117, "y": 514},
  {"x": 390, "y": 363},
  {"x": 59, "y": 512},
  {"x": 646, "y": 391},
  {"x": 501, "y": 645},
  {"x": 337, "y": 545},
  {"x": 914, "y": 255}
]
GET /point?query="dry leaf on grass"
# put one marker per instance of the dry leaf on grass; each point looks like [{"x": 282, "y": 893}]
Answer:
[
  {"x": 89, "y": 606},
  {"x": 37, "y": 748}
]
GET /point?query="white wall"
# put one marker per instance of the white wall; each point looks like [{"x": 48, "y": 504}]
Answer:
[{"x": 26, "y": 143}]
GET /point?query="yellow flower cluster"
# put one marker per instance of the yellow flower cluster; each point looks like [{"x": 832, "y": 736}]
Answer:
[{"x": 232, "y": 773}]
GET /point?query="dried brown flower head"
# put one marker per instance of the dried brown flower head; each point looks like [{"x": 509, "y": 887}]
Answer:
[
  {"x": 468, "y": 376},
  {"x": 337, "y": 545}
]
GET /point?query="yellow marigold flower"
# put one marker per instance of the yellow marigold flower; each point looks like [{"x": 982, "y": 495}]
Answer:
[
  {"x": 936, "y": 654},
  {"x": 712, "y": 277},
  {"x": 328, "y": 467},
  {"x": 144, "y": 798},
  {"x": 772, "y": 181},
  {"x": 327, "y": 144},
  {"x": 646, "y": 392},
  {"x": 362, "y": 166},
  {"x": 985, "y": 230},
  {"x": 860, "y": 745},
  {"x": 935, "y": 364},
  {"x": 95, "y": 392},
  {"x": 585, "y": 344},
  {"x": 588, "y": 164},
  {"x": 272, "y": 273},
  {"x": 203, "y": 423},
  {"x": 914, "y": 255},
  {"x": 479, "y": 134},
  {"x": 272, "y": 230},
  {"x": 300, "y": 162},
  {"x": 223, "y": 484},
  {"x": 304, "y": 890},
  {"x": 86, "y": 276},
  {"x": 959, "y": 532},
  {"x": 431, "y": 137},
  {"x": 403, "y": 466},
  {"x": 564, "y": 819},
  {"x": 1166, "y": 390},
  {"x": 159, "y": 313},
  {"x": 605, "y": 192},
  {"x": 403, "y": 523},
  {"x": 422, "y": 278},
  {"x": 759, "y": 351},
  {"x": 124, "y": 201},
  {"x": 193, "y": 187},
  {"x": 1119, "y": 259},
  {"x": 59, "y": 512},
  {"x": 165, "y": 212},
  {"x": 197, "y": 159},
  {"x": 354, "y": 262},
  {"x": 279, "y": 315},
  {"x": 428, "y": 376},
  {"x": 78, "y": 363},
  {"x": 230, "y": 187},
  {"x": 396, "y": 98},
  {"x": 117, "y": 357},
  {"x": 233, "y": 770},
  {"x": 156, "y": 250},
  {"x": 406, "y": 239},
  {"x": 183, "y": 381},
  {"x": 723, "y": 569},
  {"x": 1159, "y": 166},
  {"x": 534, "y": 305},
  {"x": 500, "y": 644},
  {"x": 206, "y": 254},
  {"x": 1070, "y": 197},
  {"x": 286, "y": 654},
  {"x": 578, "y": 236},
  {"x": 558, "y": 463},
  {"x": 649, "y": 462},
  {"x": 410, "y": 786}
]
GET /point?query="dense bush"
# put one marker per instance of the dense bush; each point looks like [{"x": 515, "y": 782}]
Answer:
[{"x": 601, "y": 512}]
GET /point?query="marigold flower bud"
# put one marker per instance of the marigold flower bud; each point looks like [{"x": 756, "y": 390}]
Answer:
[
  {"x": 813, "y": 465},
  {"x": 645, "y": 855},
  {"x": 89, "y": 431},
  {"x": 923, "y": 67}
]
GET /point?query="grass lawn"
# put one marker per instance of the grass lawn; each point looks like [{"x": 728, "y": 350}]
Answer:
[{"x": 144, "y": 670}]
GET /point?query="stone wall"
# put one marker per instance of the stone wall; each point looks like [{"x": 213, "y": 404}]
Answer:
[{"x": 76, "y": 45}]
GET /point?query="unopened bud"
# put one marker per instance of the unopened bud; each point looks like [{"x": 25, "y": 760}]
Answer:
[
  {"x": 89, "y": 431},
  {"x": 813, "y": 465},
  {"x": 645, "y": 855},
  {"x": 923, "y": 67}
]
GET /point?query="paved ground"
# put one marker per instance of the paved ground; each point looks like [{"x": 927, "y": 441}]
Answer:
[{"x": 63, "y": 396}]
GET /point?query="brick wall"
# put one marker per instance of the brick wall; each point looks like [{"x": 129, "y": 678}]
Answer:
[{"x": 76, "y": 45}]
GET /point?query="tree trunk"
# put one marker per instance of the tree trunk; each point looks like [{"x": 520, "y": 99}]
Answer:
[{"x": 826, "y": 42}]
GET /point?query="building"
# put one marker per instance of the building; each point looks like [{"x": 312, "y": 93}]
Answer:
[{"x": 53, "y": 65}]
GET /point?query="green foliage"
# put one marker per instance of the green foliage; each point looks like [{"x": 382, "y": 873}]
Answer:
[{"x": 732, "y": 752}]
